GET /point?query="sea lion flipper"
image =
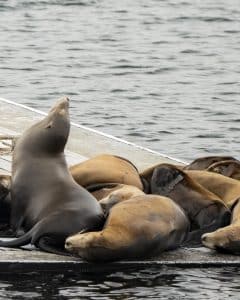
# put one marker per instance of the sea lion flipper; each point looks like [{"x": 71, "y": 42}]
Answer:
[{"x": 18, "y": 242}]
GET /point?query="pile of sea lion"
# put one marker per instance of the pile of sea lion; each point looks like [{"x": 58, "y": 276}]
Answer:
[{"x": 103, "y": 209}]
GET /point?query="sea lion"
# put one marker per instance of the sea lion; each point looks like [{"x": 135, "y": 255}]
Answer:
[
  {"x": 226, "y": 239},
  {"x": 225, "y": 188},
  {"x": 203, "y": 163},
  {"x": 204, "y": 209},
  {"x": 118, "y": 194},
  {"x": 146, "y": 176},
  {"x": 46, "y": 202},
  {"x": 229, "y": 168},
  {"x": 5, "y": 207},
  {"x": 106, "y": 168},
  {"x": 140, "y": 227}
]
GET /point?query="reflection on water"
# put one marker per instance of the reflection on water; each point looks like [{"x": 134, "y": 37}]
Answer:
[{"x": 159, "y": 283}]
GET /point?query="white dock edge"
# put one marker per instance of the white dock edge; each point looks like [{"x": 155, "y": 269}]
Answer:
[{"x": 83, "y": 141}]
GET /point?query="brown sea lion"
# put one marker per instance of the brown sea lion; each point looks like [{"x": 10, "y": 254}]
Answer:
[
  {"x": 204, "y": 209},
  {"x": 141, "y": 227},
  {"x": 106, "y": 168},
  {"x": 123, "y": 192},
  {"x": 203, "y": 163},
  {"x": 100, "y": 192},
  {"x": 226, "y": 239},
  {"x": 46, "y": 202},
  {"x": 229, "y": 168},
  {"x": 225, "y": 188}
]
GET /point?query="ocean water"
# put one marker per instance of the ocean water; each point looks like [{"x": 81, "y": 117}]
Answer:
[{"x": 162, "y": 74}]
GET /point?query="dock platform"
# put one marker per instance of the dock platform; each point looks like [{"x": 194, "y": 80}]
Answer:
[{"x": 85, "y": 143}]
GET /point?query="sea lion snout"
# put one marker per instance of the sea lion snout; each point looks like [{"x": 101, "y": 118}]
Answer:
[
  {"x": 208, "y": 241},
  {"x": 61, "y": 107},
  {"x": 79, "y": 242}
]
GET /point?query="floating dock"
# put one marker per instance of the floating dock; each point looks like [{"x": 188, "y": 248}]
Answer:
[{"x": 85, "y": 143}]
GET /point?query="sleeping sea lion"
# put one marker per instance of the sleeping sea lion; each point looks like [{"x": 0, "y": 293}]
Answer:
[
  {"x": 106, "y": 168},
  {"x": 226, "y": 239},
  {"x": 229, "y": 168},
  {"x": 140, "y": 227},
  {"x": 225, "y": 188},
  {"x": 123, "y": 192},
  {"x": 203, "y": 163},
  {"x": 146, "y": 176},
  {"x": 46, "y": 202},
  {"x": 204, "y": 209}
]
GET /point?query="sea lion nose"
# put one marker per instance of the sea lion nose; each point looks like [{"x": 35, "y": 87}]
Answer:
[
  {"x": 204, "y": 238},
  {"x": 68, "y": 245}
]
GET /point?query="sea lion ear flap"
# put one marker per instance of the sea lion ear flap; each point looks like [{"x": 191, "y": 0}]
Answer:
[{"x": 49, "y": 125}]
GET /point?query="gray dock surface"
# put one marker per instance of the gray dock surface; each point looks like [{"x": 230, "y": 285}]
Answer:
[{"x": 84, "y": 143}]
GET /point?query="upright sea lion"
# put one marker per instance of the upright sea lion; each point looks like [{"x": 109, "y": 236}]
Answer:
[
  {"x": 203, "y": 163},
  {"x": 106, "y": 168},
  {"x": 46, "y": 202},
  {"x": 225, "y": 188},
  {"x": 229, "y": 168},
  {"x": 204, "y": 209},
  {"x": 141, "y": 227},
  {"x": 123, "y": 192},
  {"x": 226, "y": 239}
]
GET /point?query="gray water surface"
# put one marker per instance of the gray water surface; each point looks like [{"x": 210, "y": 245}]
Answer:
[
  {"x": 162, "y": 74},
  {"x": 160, "y": 283}
]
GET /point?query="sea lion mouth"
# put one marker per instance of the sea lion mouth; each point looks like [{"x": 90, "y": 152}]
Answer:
[{"x": 164, "y": 179}]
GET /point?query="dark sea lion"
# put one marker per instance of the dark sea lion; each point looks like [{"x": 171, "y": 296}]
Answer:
[
  {"x": 106, "y": 168},
  {"x": 118, "y": 194},
  {"x": 146, "y": 176},
  {"x": 5, "y": 207},
  {"x": 226, "y": 239},
  {"x": 204, "y": 209},
  {"x": 229, "y": 168},
  {"x": 46, "y": 202},
  {"x": 225, "y": 188},
  {"x": 141, "y": 227},
  {"x": 203, "y": 163}
]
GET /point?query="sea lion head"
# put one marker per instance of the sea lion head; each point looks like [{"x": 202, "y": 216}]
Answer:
[
  {"x": 225, "y": 239},
  {"x": 203, "y": 163},
  {"x": 80, "y": 243},
  {"x": 124, "y": 192},
  {"x": 50, "y": 135},
  {"x": 229, "y": 168}
]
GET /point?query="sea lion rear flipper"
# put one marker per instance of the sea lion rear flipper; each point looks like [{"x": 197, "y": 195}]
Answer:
[{"x": 18, "y": 242}]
